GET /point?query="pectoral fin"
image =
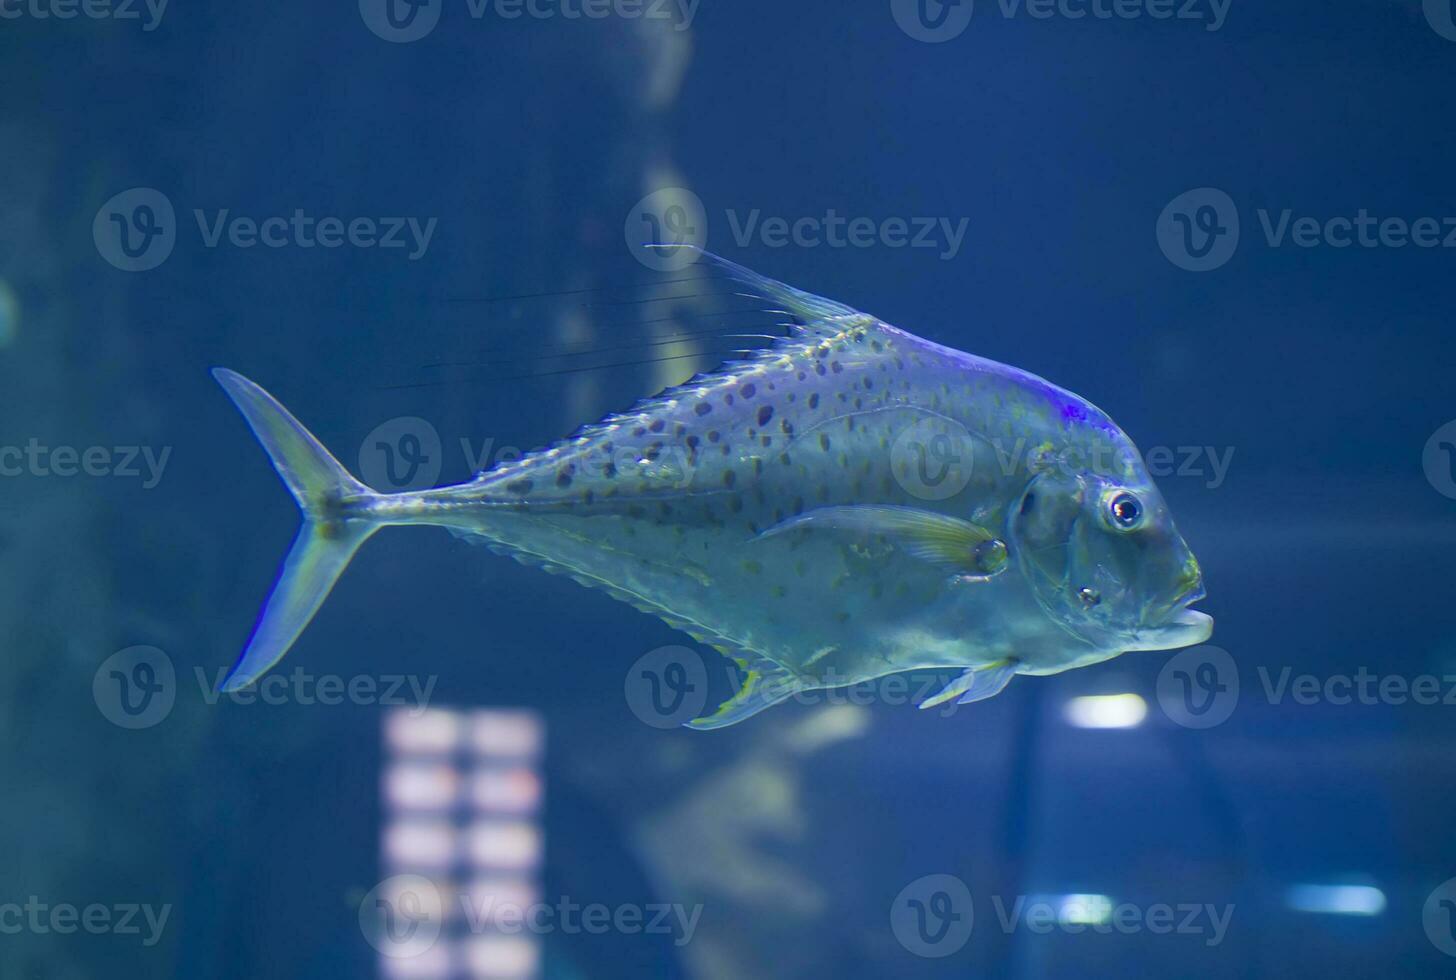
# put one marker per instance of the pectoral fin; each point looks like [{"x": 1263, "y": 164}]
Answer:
[
  {"x": 976, "y": 684},
  {"x": 969, "y": 550}
]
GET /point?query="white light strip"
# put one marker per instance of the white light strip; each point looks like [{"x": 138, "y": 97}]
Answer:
[
  {"x": 1336, "y": 899},
  {"x": 1105, "y": 711}
]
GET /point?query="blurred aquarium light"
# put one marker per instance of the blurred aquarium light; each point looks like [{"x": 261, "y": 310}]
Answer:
[
  {"x": 1077, "y": 909},
  {"x": 462, "y": 795},
  {"x": 1336, "y": 899},
  {"x": 9, "y": 314},
  {"x": 1105, "y": 711}
]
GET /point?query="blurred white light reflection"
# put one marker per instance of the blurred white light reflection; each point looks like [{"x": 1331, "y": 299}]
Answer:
[
  {"x": 1105, "y": 711},
  {"x": 462, "y": 795},
  {"x": 1336, "y": 899},
  {"x": 1076, "y": 910},
  {"x": 502, "y": 956}
]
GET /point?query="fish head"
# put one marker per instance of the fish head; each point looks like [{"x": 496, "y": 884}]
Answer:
[{"x": 1106, "y": 562}]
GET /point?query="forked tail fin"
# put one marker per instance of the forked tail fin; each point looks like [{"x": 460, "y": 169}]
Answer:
[{"x": 326, "y": 541}]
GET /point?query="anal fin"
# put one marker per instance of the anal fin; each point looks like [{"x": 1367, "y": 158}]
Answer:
[{"x": 765, "y": 684}]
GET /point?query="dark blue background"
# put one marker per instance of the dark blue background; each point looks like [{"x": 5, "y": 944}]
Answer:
[{"x": 1325, "y": 370}]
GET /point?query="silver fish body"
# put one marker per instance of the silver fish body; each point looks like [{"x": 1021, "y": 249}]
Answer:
[{"x": 854, "y": 502}]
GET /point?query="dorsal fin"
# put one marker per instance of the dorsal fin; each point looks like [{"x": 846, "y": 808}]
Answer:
[{"x": 806, "y": 306}]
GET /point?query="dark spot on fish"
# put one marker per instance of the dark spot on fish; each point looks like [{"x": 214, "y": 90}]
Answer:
[
  {"x": 692, "y": 442},
  {"x": 814, "y": 400},
  {"x": 824, "y": 441},
  {"x": 713, "y": 435},
  {"x": 657, "y": 425},
  {"x": 653, "y": 451},
  {"x": 729, "y": 478},
  {"x": 1027, "y": 503},
  {"x": 788, "y": 427},
  {"x": 757, "y": 465},
  {"x": 868, "y": 384},
  {"x": 802, "y": 375},
  {"x": 519, "y": 486},
  {"x": 748, "y": 391},
  {"x": 837, "y": 367},
  {"x": 819, "y": 369},
  {"x": 766, "y": 441},
  {"x": 727, "y": 399},
  {"x": 765, "y": 412},
  {"x": 563, "y": 479},
  {"x": 609, "y": 471},
  {"x": 876, "y": 346},
  {"x": 639, "y": 431},
  {"x": 702, "y": 408}
]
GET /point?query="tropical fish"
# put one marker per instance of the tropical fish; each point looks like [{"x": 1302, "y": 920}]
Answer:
[{"x": 849, "y": 503}]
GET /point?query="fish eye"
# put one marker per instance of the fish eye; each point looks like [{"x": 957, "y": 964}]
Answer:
[
  {"x": 1089, "y": 596},
  {"x": 1125, "y": 511}
]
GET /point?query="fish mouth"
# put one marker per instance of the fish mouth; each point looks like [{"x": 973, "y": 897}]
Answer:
[{"x": 1181, "y": 627}]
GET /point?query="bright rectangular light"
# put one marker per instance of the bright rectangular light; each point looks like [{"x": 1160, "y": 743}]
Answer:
[
  {"x": 1105, "y": 711},
  {"x": 1336, "y": 899}
]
